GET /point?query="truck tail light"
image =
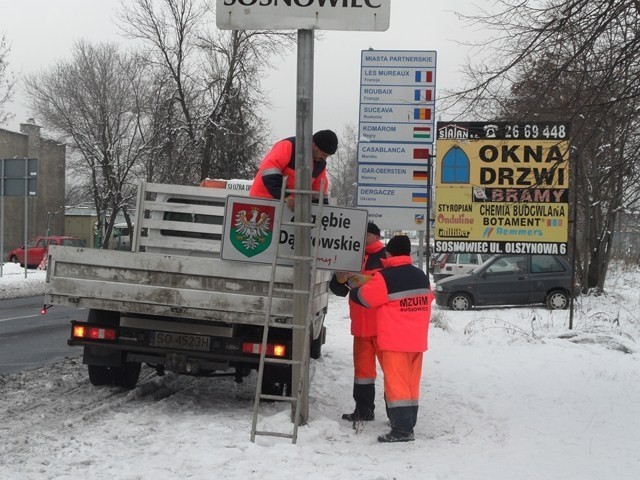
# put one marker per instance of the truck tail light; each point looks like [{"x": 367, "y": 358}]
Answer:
[
  {"x": 93, "y": 333},
  {"x": 273, "y": 349},
  {"x": 443, "y": 262}
]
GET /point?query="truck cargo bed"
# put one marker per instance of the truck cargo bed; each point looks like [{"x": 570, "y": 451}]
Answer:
[{"x": 206, "y": 289}]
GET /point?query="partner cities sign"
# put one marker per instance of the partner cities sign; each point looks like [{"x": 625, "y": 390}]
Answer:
[
  {"x": 396, "y": 133},
  {"x": 347, "y": 15}
]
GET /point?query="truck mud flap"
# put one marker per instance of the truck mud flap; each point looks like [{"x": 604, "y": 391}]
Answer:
[{"x": 102, "y": 356}]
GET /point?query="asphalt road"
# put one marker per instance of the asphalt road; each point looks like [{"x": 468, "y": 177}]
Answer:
[{"x": 29, "y": 339}]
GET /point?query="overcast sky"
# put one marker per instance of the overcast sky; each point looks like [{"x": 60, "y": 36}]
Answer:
[{"x": 42, "y": 31}]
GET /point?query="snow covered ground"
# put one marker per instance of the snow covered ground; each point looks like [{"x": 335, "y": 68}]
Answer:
[
  {"x": 14, "y": 284},
  {"x": 507, "y": 393}
]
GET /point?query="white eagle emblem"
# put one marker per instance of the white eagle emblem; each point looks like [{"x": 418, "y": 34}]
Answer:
[{"x": 252, "y": 230}]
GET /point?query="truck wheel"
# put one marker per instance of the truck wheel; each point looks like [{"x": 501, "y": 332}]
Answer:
[
  {"x": 315, "y": 347},
  {"x": 127, "y": 375},
  {"x": 99, "y": 375}
]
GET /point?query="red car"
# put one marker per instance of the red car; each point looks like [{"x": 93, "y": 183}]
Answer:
[{"x": 37, "y": 249}]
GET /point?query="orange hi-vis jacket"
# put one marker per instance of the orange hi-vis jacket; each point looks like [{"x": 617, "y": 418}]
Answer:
[
  {"x": 363, "y": 320},
  {"x": 280, "y": 162},
  {"x": 403, "y": 299}
]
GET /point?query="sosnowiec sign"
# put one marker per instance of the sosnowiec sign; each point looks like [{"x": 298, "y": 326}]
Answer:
[
  {"x": 346, "y": 15},
  {"x": 248, "y": 234}
]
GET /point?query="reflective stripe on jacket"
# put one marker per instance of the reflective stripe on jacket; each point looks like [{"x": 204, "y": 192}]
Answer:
[
  {"x": 403, "y": 298},
  {"x": 280, "y": 162},
  {"x": 363, "y": 320}
]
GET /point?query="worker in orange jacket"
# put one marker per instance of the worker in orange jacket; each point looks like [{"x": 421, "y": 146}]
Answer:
[
  {"x": 280, "y": 162},
  {"x": 402, "y": 297},
  {"x": 363, "y": 328}
]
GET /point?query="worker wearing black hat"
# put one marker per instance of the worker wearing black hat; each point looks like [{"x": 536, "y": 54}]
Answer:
[
  {"x": 401, "y": 295},
  {"x": 280, "y": 162},
  {"x": 363, "y": 328}
]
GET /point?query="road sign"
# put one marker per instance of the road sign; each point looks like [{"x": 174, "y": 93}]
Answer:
[
  {"x": 399, "y": 218},
  {"x": 394, "y": 153},
  {"x": 392, "y": 196},
  {"x": 397, "y": 94},
  {"x": 415, "y": 77},
  {"x": 18, "y": 177},
  {"x": 393, "y": 174},
  {"x": 396, "y": 132},
  {"x": 362, "y": 15},
  {"x": 248, "y": 233},
  {"x": 389, "y": 113},
  {"x": 398, "y": 58}
]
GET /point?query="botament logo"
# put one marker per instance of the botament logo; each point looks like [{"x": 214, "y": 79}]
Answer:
[{"x": 252, "y": 228}]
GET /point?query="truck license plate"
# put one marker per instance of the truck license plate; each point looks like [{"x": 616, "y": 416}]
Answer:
[{"x": 180, "y": 341}]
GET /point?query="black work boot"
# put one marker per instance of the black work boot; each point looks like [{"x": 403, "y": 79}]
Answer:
[
  {"x": 359, "y": 416},
  {"x": 396, "y": 436}
]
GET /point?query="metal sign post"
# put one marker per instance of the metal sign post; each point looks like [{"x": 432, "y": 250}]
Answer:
[
  {"x": 26, "y": 217},
  {"x": 304, "y": 134},
  {"x": 305, "y": 17}
]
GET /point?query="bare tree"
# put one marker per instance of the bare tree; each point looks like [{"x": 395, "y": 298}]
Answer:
[
  {"x": 342, "y": 168},
  {"x": 578, "y": 61},
  {"x": 525, "y": 30},
  {"x": 7, "y": 81},
  {"x": 210, "y": 85},
  {"x": 92, "y": 101}
]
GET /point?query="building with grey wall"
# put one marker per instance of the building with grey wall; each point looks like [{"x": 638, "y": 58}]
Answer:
[{"x": 45, "y": 210}]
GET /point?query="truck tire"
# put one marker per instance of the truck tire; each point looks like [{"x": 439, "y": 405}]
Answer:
[
  {"x": 276, "y": 380},
  {"x": 315, "y": 347},
  {"x": 99, "y": 375},
  {"x": 127, "y": 375}
]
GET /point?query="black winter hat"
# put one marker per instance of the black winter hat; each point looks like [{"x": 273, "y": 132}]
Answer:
[
  {"x": 399, "y": 245},
  {"x": 326, "y": 140},
  {"x": 373, "y": 228}
]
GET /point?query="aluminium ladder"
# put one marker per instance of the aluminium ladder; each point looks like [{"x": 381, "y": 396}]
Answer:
[{"x": 304, "y": 361}]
